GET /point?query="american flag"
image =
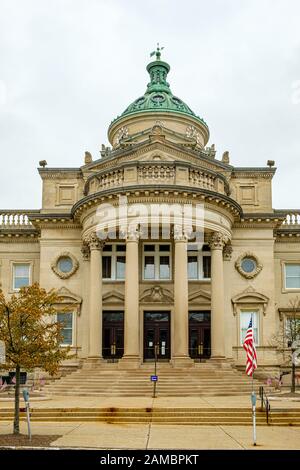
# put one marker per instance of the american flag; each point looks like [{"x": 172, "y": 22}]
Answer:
[{"x": 249, "y": 347}]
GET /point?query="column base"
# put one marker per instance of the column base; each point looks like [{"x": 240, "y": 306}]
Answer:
[
  {"x": 91, "y": 362},
  {"x": 182, "y": 361},
  {"x": 129, "y": 362}
]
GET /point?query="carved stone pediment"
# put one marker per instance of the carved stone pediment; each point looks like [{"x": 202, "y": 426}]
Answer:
[
  {"x": 156, "y": 294},
  {"x": 66, "y": 296},
  {"x": 69, "y": 300},
  {"x": 113, "y": 297},
  {"x": 249, "y": 297},
  {"x": 200, "y": 297}
]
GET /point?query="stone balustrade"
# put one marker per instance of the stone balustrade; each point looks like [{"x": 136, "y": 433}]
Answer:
[
  {"x": 14, "y": 218},
  {"x": 292, "y": 218},
  {"x": 168, "y": 173}
]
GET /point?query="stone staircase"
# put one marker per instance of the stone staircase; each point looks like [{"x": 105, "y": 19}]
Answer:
[
  {"x": 107, "y": 380},
  {"x": 164, "y": 416}
]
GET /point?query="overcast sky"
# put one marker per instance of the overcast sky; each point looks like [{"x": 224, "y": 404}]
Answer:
[{"x": 68, "y": 67}]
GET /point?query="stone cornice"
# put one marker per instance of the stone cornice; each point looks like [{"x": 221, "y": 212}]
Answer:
[
  {"x": 23, "y": 237},
  {"x": 253, "y": 172},
  {"x": 60, "y": 173},
  {"x": 185, "y": 191}
]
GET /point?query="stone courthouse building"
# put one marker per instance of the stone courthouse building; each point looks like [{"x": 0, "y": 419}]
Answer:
[{"x": 149, "y": 287}]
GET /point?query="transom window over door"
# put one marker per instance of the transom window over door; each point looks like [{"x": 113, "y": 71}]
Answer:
[
  {"x": 245, "y": 317},
  {"x": 113, "y": 261},
  {"x": 292, "y": 276},
  {"x": 21, "y": 275},
  {"x": 199, "y": 263},
  {"x": 156, "y": 261}
]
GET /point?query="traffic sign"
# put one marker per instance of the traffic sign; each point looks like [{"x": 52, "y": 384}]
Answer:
[{"x": 154, "y": 378}]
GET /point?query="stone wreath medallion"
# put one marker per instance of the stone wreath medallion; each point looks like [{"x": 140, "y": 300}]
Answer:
[
  {"x": 55, "y": 265},
  {"x": 241, "y": 262}
]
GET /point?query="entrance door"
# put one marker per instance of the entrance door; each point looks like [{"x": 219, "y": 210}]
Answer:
[
  {"x": 199, "y": 335},
  {"x": 157, "y": 336},
  {"x": 113, "y": 335}
]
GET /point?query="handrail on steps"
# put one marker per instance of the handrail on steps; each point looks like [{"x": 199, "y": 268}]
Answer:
[{"x": 265, "y": 403}]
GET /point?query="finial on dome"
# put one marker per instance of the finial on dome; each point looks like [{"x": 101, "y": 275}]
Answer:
[{"x": 157, "y": 52}]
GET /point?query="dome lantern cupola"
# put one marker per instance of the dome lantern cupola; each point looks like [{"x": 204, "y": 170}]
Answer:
[{"x": 158, "y": 103}]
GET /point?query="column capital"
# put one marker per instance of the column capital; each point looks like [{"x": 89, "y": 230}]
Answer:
[
  {"x": 217, "y": 241},
  {"x": 180, "y": 235},
  {"x": 131, "y": 233},
  {"x": 94, "y": 242},
  {"x": 227, "y": 252},
  {"x": 85, "y": 251}
]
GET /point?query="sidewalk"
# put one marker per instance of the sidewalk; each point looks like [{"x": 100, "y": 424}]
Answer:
[{"x": 107, "y": 436}]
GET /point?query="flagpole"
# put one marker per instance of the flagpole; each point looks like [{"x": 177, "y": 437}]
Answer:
[{"x": 253, "y": 396}]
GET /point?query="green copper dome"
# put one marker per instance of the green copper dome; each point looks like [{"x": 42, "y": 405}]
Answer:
[{"x": 158, "y": 96}]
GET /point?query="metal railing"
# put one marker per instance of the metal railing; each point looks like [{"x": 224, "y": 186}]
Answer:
[{"x": 265, "y": 404}]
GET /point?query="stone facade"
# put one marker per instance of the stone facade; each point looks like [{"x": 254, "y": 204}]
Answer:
[{"x": 159, "y": 156}]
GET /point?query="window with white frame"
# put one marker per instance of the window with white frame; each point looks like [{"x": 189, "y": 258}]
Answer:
[
  {"x": 292, "y": 329},
  {"x": 156, "y": 261},
  {"x": 292, "y": 276},
  {"x": 113, "y": 261},
  {"x": 21, "y": 275},
  {"x": 245, "y": 317},
  {"x": 67, "y": 327},
  {"x": 199, "y": 263}
]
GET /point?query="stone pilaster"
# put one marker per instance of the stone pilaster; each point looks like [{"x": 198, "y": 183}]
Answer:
[
  {"x": 84, "y": 319},
  {"x": 217, "y": 242}
]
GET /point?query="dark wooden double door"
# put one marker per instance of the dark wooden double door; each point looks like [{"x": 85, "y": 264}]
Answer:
[
  {"x": 199, "y": 335},
  {"x": 157, "y": 336},
  {"x": 113, "y": 335}
]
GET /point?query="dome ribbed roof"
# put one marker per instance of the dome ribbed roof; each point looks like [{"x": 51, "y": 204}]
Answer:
[{"x": 158, "y": 96}]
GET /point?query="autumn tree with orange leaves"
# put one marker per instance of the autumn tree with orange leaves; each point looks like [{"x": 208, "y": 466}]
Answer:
[{"x": 31, "y": 334}]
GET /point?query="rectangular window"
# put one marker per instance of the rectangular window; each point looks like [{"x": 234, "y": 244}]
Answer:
[
  {"x": 192, "y": 267},
  {"x": 149, "y": 268},
  {"x": 292, "y": 276},
  {"x": 21, "y": 275},
  {"x": 106, "y": 267},
  {"x": 157, "y": 261},
  {"x": 164, "y": 267},
  {"x": 292, "y": 330},
  {"x": 114, "y": 261},
  {"x": 67, "y": 320},
  {"x": 245, "y": 317},
  {"x": 199, "y": 263},
  {"x": 206, "y": 267},
  {"x": 120, "y": 267}
]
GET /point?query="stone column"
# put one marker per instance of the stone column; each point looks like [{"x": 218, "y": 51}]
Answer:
[
  {"x": 84, "y": 318},
  {"x": 217, "y": 242},
  {"x": 95, "y": 303},
  {"x": 131, "y": 356},
  {"x": 181, "y": 302}
]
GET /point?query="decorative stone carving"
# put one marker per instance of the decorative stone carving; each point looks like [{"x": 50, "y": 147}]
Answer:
[
  {"x": 249, "y": 297},
  {"x": 122, "y": 134},
  {"x": 94, "y": 242},
  {"x": 58, "y": 272},
  {"x": 68, "y": 298},
  {"x": 192, "y": 133},
  {"x": 256, "y": 270},
  {"x": 85, "y": 250},
  {"x": 227, "y": 252},
  {"x": 157, "y": 294},
  {"x": 181, "y": 233},
  {"x": 217, "y": 241}
]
